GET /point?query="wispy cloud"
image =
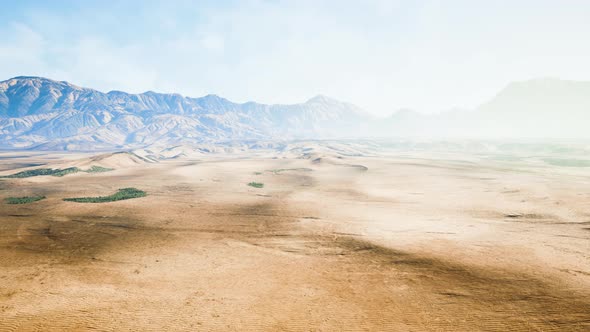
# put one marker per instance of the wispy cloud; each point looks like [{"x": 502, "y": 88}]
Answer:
[{"x": 379, "y": 54}]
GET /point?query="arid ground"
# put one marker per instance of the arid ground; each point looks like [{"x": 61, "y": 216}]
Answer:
[{"x": 400, "y": 242}]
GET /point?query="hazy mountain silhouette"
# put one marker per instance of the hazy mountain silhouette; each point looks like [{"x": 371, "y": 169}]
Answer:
[{"x": 40, "y": 113}]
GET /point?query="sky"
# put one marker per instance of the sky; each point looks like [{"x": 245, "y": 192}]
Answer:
[{"x": 381, "y": 55}]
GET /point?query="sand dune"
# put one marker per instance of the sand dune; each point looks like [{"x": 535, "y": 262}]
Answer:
[
  {"x": 114, "y": 160},
  {"x": 404, "y": 243}
]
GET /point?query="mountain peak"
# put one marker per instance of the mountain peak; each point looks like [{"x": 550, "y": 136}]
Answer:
[
  {"x": 545, "y": 82},
  {"x": 18, "y": 78},
  {"x": 212, "y": 96},
  {"x": 34, "y": 78},
  {"x": 212, "y": 99},
  {"x": 60, "y": 115},
  {"x": 37, "y": 80},
  {"x": 320, "y": 99}
]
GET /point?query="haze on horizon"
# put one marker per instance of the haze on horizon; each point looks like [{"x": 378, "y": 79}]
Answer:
[
  {"x": 405, "y": 165},
  {"x": 379, "y": 55}
]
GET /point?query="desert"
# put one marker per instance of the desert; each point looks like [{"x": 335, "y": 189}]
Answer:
[
  {"x": 339, "y": 236},
  {"x": 325, "y": 166}
]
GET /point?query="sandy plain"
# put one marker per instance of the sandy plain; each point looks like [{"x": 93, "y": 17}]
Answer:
[{"x": 401, "y": 242}]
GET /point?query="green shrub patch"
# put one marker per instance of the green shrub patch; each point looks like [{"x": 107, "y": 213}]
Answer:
[
  {"x": 55, "y": 172},
  {"x": 122, "y": 194},
  {"x": 23, "y": 200}
]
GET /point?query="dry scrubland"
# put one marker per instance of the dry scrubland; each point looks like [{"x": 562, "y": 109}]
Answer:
[{"x": 327, "y": 242}]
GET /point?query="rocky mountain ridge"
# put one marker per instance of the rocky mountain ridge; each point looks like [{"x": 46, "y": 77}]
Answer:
[{"x": 41, "y": 113}]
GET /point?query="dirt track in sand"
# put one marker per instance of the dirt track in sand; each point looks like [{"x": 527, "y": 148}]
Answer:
[{"x": 334, "y": 248}]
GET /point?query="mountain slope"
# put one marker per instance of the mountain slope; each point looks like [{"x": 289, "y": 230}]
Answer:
[
  {"x": 546, "y": 107},
  {"x": 538, "y": 109},
  {"x": 41, "y": 113}
]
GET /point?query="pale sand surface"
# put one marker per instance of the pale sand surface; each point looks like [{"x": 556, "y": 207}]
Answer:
[{"x": 412, "y": 242}]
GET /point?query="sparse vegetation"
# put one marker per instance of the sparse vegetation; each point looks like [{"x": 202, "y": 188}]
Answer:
[
  {"x": 567, "y": 162},
  {"x": 55, "y": 172},
  {"x": 99, "y": 169},
  {"x": 23, "y": 200},
  {"x": 43, "y": 171},
  {"x": 279, "y": 170},
  {"x": 257, "y": 173},
  {"x": 66, "y": 171},
  {"x": 122, "y": 194},
  {"x": 256, "y": 184}
]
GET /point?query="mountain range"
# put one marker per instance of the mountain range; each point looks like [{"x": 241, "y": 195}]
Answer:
[
  {"x": 544, "y": 108},
  {"x": 40, "y": 113},
  {"x": 44, "y": 114}
]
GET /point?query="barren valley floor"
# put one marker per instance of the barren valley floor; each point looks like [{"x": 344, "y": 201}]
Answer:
[{"x": 398, "y": 243}]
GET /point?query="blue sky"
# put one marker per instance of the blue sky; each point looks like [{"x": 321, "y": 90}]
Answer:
[{"x": 379, "y": 54}]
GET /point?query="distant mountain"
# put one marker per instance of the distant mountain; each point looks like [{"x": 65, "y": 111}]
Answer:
[
  {"x": 538, "y": 109},
  {"x": 41, "y": 113}
]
